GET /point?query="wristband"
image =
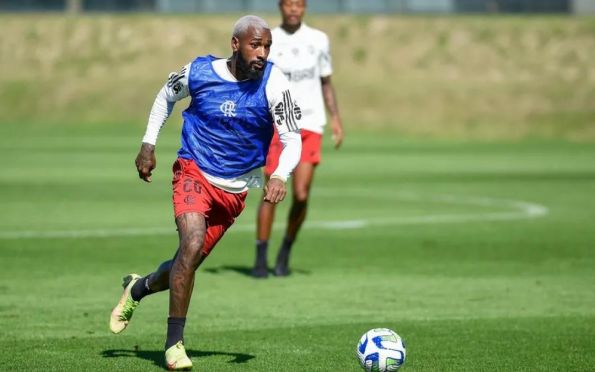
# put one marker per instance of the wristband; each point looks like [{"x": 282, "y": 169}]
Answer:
[{"x": 278, "y": 177}]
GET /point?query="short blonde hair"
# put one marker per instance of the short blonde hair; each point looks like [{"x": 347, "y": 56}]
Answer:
[{"x": 244, "y": 23}]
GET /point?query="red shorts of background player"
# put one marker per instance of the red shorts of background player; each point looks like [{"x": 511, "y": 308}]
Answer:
[
  {"x": 193, "y": 193},
  {"x": 311, "y": 144}
]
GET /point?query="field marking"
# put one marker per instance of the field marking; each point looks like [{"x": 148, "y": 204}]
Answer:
[{"x": 517, "y": 209}]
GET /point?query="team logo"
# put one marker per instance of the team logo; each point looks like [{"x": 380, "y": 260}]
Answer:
[
  {"x": 189, "y": 200},
  {"x": 228, "y": 108}
]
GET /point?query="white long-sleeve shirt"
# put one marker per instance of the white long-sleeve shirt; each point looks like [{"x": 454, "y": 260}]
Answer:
[
  {"x": 277, "y": 89},
  {"x": 304, "y": 57}
]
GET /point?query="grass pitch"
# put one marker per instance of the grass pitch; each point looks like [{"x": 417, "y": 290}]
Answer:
[{"x": 479, "y": 255}]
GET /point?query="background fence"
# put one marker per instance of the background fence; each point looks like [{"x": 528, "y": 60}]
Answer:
[{"x": 315, "y": 6}]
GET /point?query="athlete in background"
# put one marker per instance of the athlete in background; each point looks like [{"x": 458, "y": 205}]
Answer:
[
  {"x": 303, "y": 54},
  {"x": 236, "y": 105}
]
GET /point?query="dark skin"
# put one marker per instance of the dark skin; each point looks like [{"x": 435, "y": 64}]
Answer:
[
  {"x": 292, "y": 14},
  {"x": 248, "y": 60}
]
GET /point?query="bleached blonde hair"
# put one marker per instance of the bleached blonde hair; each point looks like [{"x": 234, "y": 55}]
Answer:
[{"x": 244, "y": 23}]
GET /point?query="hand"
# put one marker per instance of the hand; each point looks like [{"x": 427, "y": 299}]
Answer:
[
  {"x": 337, "y": 132},
  {"x": 275, "y": 190},
  {"x": 145, "y": 161}
]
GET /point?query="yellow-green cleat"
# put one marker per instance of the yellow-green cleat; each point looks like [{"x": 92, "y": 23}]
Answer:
[
  {"x": 123, "y": 311},
  {"x": 176, "y": 358}
]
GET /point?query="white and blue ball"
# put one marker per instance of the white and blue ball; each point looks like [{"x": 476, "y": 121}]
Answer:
[{"x": 381, "y": 349}]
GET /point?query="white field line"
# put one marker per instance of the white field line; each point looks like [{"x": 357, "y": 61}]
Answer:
[{"x": 517, "y": 209}]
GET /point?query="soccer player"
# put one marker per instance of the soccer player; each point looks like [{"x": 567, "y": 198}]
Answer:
[
  {"x": 302, "y": 53},
  {"x": 236, "y": 105}
]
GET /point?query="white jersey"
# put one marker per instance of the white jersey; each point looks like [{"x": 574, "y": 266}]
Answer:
[{"x": 304, "y": 57}]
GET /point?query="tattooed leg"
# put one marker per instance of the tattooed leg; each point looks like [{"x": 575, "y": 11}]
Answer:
[
  {"x": 159, "y": 280},
  {"x": 191, "y": 229}
]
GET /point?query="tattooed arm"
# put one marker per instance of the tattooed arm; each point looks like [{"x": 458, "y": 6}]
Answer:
[{"x": 175, "y": 89}]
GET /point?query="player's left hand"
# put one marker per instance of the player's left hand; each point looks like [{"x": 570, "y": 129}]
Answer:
[
  {"x": 275, "y": 190},
  {"x": 337, "y": 132}
]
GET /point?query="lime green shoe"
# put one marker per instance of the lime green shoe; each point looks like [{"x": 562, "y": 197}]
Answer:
[
  {"x": 176, "y": 358},
  {"x": 123, "y": 311}
]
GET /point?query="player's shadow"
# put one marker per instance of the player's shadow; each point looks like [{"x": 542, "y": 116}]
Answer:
[
  {"x": 247, "y": 271},
  {"x": 157, "y": 357}
]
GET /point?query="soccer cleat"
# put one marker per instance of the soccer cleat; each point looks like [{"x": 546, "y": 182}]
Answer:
[
  {"x": 282, "y": 266},
  {"x": 282, "y": 270},
  {"x": 123, "y": 311},
  {"x": 176, "y": 358},
  {"x": 260, "y": 272}
]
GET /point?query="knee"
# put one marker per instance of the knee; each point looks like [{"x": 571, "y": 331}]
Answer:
[
  {"x": 300, "y": 195},
  {"x": 191, "y": 246},
  {"x": 193, "y": 240}
]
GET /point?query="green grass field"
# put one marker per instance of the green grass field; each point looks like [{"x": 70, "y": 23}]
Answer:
[
  {"x": 459, "y": 213},
  {"x": 480, "y": 255}
]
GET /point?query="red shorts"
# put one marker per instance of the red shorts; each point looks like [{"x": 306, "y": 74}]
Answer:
[
  {"x": 193, "y": 193},
  {"x": 311, "y": 144}
]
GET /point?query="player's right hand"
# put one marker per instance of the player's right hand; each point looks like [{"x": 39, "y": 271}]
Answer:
[{"x": 145, "y": 161}]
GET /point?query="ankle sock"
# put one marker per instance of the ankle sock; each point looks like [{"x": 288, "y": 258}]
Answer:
[
  {"x": 287, "y": 243},
  {"x": 283, "y": 256},
  {"x": 262, "y": 247},
  {"x": 141, "y": 288},
  {"x": 175, "y": 331}
]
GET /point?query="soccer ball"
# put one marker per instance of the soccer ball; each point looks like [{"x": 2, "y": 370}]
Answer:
[{"x": 381, "y": 350}]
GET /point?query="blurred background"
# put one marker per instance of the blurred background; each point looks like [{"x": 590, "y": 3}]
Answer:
[
  {"x": 315, "y": 6},
  {"x": 458, "y": 212},
  {"x": 93, "y": 61}
]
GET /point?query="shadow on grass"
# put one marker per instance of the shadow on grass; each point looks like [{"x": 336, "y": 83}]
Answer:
[
  {"x": 158, "y": 356},
  {"x": 247, "y": 271}
]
